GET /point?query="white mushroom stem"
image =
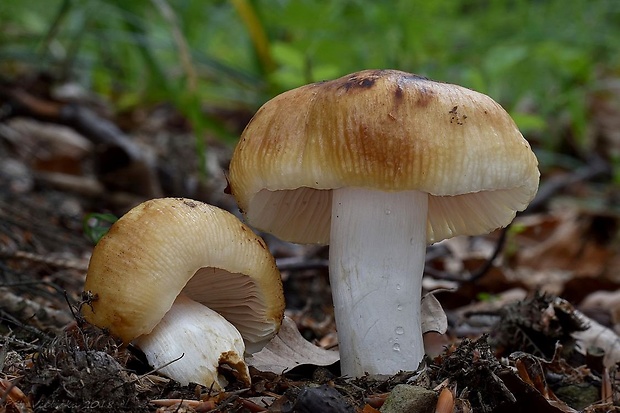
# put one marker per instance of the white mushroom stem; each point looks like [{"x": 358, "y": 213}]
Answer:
[
  {"x": 191, "y": 342},
  {"x": 377, "y": 251}
]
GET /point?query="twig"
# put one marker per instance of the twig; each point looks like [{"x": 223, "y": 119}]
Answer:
[
  {"x": 29, "y": 217},
  {"x": 26, "y": 309},
  {"x": 8, "y": 317},
  {"x": 4, "y": 352},
  {"x": 74, "y": 264},
  {"x": 113, "y": 143},
  {"x": 23, "y": 344},
  {"x": 301, "y": 263},
  {"x": 155, "y": 370},
  {"x": 595, "y": 167},
  {"x": 480, "y": 271}
]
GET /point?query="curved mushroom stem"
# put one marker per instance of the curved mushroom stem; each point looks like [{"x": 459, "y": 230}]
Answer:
[
  {"x": 195, "y": 341},
  {"x": 377, "y": 251}
]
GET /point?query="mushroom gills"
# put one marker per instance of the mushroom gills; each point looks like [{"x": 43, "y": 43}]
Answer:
[{"x": 192, "y": 342}]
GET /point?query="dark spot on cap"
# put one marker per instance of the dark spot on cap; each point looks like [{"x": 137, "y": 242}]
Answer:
[
  {"x": 367, "y": 82},
  {"x": 425, "y": 96},
  {"x": 455, "y": 117},
  {"x": 358, "y": 81},
  {"x": 414, "y": 77},
  {"x": 398, "y": 93},
  {"x": 190, "y": 204}
]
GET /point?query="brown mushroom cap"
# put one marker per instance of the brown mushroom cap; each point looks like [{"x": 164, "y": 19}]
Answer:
[
  {"x": 386, "y": 130},
  {"x": 165, "y": 247}
]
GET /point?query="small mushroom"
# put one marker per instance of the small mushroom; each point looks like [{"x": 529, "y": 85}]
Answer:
[
  {"x": 378, "y": 164},
  {"x": 189, "y": 284}
]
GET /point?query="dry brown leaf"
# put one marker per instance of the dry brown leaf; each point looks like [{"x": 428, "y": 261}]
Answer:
[
  {"x": 13, "y": 398},
  {"x": 604, "y": 300},
  {"x": 598, "y": 336},
  {"x": 570, "y": 244},
  {"x": 433, "y": 316},
  {"x": 369, "y": 409},
  {"x": 289, "y": 349}
]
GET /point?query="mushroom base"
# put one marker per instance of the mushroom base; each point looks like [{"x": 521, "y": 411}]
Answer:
[
  {"x": 191, "y": 342},
  {"x": 377, "y": 252}
]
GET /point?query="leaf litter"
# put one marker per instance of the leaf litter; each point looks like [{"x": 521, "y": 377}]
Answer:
[{"x": 531, "y": 312}]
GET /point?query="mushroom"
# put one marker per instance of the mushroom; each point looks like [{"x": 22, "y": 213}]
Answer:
[
  {"x": 379, "y": 164},
  {"x": 189, "y": 284}
]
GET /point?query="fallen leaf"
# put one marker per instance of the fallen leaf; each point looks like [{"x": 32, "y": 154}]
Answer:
[
  {"x": 289, "y": 349},
  {"x": 369, "y": 409},
  {"x": 14, "y": 398},
  {"x": 433, "y": 316},
  {"x": 575, "y": 245},
  {"x": 598, "y": 336},
  {"x": 604, "y": 300}
]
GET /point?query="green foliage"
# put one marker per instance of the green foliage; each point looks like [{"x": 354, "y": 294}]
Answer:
[
  {"x": 538, "y": 58},
  {"x": 486, "y": 297},
  {"x": 96, "y": 225},
  {"x": 616, "y": 169},
  {"x": 511, "y": 246}
]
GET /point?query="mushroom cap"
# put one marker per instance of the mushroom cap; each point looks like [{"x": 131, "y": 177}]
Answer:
[
  {"x": 386, "y": 130},
  {"x": 164, "y": 247}
]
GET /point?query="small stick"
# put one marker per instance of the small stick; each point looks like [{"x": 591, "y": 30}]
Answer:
[{"x": 155, "y": 370}]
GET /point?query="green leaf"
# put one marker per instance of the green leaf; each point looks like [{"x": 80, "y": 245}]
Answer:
[{"x": 96, "y": 225}]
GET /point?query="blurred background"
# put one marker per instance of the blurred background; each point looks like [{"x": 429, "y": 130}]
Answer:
[{"x": 554, "y": 64}]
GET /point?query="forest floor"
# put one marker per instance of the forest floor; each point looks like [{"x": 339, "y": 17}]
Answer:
[{"x": 533, "y": 310}]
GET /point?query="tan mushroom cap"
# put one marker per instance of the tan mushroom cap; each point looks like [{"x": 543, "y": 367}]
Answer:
[
  {"x": 386, "y": 130},
  {"x": 165, "y": 247}
]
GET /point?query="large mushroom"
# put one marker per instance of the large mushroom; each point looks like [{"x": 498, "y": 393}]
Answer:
[
  {"x": 189, "y": 284},
  {"x": 378, "y": 164}
]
